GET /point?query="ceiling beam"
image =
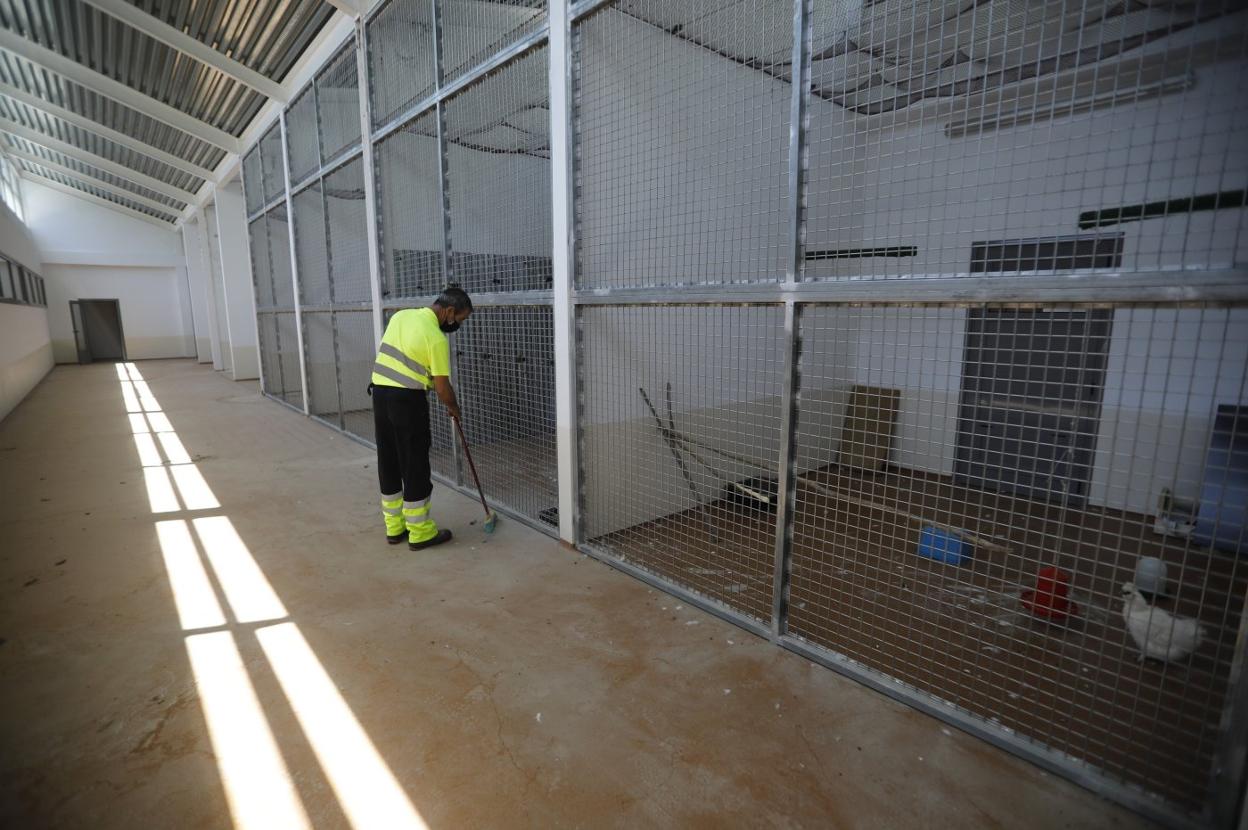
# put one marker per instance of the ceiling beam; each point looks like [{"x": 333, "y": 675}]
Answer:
[
  {"x": 94, "y": 180},
  {"x": 82, "y": 122},
  {"x": 119, "y": 92},
  {"x": 91, "y": 197},
  {"x": 170, "y": 36},
  {"x": 127, "y": 173},
  {"x": 345, "y": 6}
]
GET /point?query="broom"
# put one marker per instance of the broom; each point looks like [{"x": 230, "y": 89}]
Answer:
[{"x": 491, "y": 519}]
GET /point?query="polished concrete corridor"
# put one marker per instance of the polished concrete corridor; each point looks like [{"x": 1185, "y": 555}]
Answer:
[{"x": 201, "y": 626}]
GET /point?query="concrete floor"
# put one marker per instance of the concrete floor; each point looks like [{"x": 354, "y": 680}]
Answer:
[{"x": 503, "y": 681}]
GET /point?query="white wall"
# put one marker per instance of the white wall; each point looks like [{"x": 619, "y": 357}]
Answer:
[
  {"x": 150, "y": 301},
  {"x": 91, "y": 252},
  {"x": 25, "y": 343},
  {"x": 25, "y": 352}
]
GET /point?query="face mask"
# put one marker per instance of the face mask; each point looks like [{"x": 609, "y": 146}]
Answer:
[{"x": 449, "y": 328}]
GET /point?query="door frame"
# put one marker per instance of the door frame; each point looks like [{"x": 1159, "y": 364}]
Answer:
[{"x": 121, "y": 327}]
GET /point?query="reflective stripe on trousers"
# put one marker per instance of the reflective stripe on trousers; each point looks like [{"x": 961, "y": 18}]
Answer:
[
  {"x": 419, "y": 519},
  {"x": 392, "y": 512}
]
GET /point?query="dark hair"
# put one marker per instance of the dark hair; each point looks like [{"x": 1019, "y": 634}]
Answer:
[{"x": 454, "y": 298}]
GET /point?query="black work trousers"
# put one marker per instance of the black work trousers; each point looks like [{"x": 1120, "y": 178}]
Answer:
[{"x": 401, "y": 419}]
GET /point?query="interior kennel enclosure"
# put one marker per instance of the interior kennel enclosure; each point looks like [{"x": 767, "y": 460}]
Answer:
[{"x": 851, "y": 322}]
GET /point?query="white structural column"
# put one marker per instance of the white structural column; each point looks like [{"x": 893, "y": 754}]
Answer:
[
  {"x": 207, "y": 292},
  {"x": 218, "y": 289},
  {"x": 564, "y": 312},
  {"x": 195, "y": 280},
  {"x": 240, "y": 297}
]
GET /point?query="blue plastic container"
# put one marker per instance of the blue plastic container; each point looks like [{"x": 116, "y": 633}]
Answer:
[{"x": 943, "y": 546}]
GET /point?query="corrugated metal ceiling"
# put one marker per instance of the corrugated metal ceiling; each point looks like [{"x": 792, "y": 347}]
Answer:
[
  {"x": 86, "y": 187},
  {"x": 22, "y": 145},
  {"x": 93, "y": 143},
  {"x": 24, "y": 75},
  {"x": 267, "y": 36}
]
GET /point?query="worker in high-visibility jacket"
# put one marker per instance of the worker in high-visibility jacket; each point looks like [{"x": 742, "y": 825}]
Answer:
[{"x": 414, "y": 357}]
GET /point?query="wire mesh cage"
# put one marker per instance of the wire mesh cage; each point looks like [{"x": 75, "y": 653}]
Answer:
[
  {"x": 682, "y": 161},
  {"x": 505, "y": 359},
  {"x": 288, "y": 350},
  {"x": 261, "y": 270},
  {"x": 348, "y": 234},
  {"x": 976, "y": 485},
  {"x": 279, "y": 257},
  {"x": 680, "y": 441},
  {"x": 474, "y": 31},
  {"x": 311, "y": 251},
  {"x": 338, "y": 104},
  {"x": 1015, "y": 139},
  {"x": 253, "y": 181},
  {"x": 320, "y": 363},
  {"x": 274, "y": 382},
  {"x": 410, "y": 210},
  {"x": 356, "y": 349},
  {"x": 401, "y": 62},
  {"x": 302, "y": 143},
  {"x": 272, "y": 166},
  {"x": 971, "y": 482},
  {"x": 498, "y": 178}
]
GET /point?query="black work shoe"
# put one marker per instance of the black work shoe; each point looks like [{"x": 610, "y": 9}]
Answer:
[
  {"x": 443, "y": 536},
  {"x": 397, "y": 540}
]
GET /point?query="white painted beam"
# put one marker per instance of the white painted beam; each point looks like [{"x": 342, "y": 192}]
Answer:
[
  {"x": 81, "y": 121},
  {"x": 119, "y": 92},
  {"x": 89, "y": 197},
  {"x": 170, "y": 36},
  {"x": 345, "y": 6},
  {"x": 129, "y": 174},
  {"x": 95, "y": 181}
]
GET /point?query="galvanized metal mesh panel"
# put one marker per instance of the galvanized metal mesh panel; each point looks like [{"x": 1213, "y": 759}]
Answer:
[
  {"x": 679, "y": 485},
  {"x": 310, "y": 246},
  {"x": 935, "y": 128},
  {"x": 400, "y": 57},
  {"x": 475, "y": 30},
  {"x": 348, "y": 234},
  {"x": 272, "y": 164},
  {"x": 253, "y": 181},
  {"x": 920, "y": 550},
  {"x": 301, "y": 136},
  {"x": 410, "y": 203},
  {"x": 318, "y": 335},
  {"x": 270, "y": 364},
  {"x": 338, "y": 103},
  {"x": 279, "y": 257},
  {"x": 505, "y": 380},
  {"x": 498, "y": 177},
  {"x": 356, "y": 351},
  {"x": 682, "y": 155},
  {"x": 288, "y": 348},
  {"x": 261, "y": 271}
]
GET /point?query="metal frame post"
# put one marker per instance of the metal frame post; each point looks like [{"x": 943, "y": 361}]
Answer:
[
  {"x": 785, "y": 484},
  {"x": 444, "y": 189},
  {"x": 563, "y": 261},
  {"x": 294, "y": 265},
  {"x": 370, "y": 174}
]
